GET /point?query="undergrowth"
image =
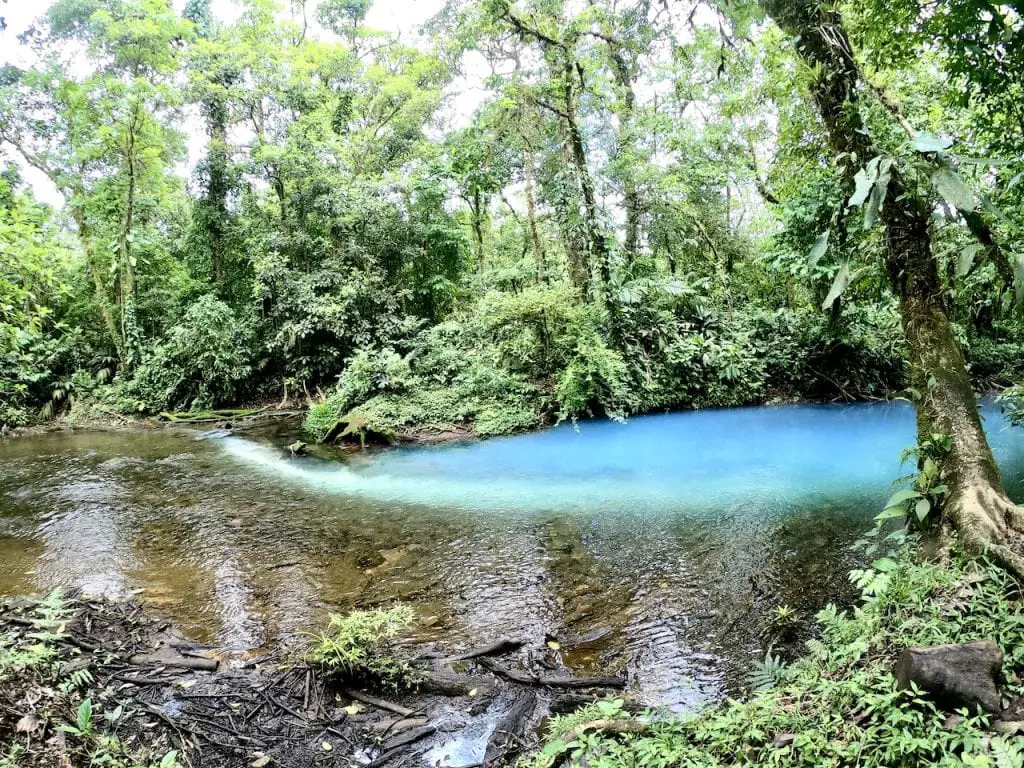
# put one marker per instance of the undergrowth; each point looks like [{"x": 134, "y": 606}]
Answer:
[
  {"x": 839, "y": 704},
  {"x": 360, "y": 645},
  {"x": 43, "y": 696}
]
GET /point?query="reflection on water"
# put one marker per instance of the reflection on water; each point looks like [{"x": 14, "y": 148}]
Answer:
[{"x": 671, "y": 537}]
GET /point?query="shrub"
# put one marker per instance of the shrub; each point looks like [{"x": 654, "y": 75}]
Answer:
[
  {"x": 359, "y": 645},
  {"x": 204, "y": 360},
  {"x": 595, "y": 381}
]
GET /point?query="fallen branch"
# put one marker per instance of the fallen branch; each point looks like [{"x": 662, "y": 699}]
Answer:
[
  {"x": 408, "y": 737},
  {"x": 531, "y": 678},
  {"x": 447, "y": 683},
  {"x": 505, "y": 645},
  {"x": 511, "y": 729},
  {"x": 373, "y": 701},
  {"x": 199, "y": 664}
]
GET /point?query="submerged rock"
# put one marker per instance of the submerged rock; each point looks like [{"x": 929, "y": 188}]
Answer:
[{"x": 960, "y": 675}]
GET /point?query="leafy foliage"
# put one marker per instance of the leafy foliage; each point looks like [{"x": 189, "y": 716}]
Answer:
[
  {"x": 202, "y": 360},
  {"x": 577, "y": 246},
  {"x": 359, "y": 645},
  {"x": 839, "y": 703}
]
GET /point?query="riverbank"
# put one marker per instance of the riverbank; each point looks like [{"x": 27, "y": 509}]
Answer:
[
  {"x": 95, "y": 680},
  {"x": 841, "y": 703},
  {"x": 88, "y": 682}
]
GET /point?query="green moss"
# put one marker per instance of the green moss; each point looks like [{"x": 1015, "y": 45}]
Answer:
[{"x": 838, "y": 705}]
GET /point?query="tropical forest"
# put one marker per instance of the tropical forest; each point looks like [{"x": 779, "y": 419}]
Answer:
[{"x": 511, "y": 383}]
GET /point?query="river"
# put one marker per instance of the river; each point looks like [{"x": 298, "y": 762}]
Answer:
[{"x": 673, "y": 537}]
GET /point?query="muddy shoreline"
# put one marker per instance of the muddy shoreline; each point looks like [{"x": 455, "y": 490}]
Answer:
[{"x": 473, "y": 706}]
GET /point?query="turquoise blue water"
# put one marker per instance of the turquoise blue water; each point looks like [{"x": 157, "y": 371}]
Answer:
[
  {"x": 697, "y": 463},
  {"x": 673, "y": 537}
]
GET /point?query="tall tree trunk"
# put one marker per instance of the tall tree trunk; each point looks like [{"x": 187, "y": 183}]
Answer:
[
  {"x": 566, "y": 68},
  {"x": 217, "y": 187},
  {"x": 531, "y": 212},
  {"x": 976, "y": 505},
  {"x": 597, "y": 245},
  {"x": 129, "y": 318},
  {"x": 477, "y": 210},
  {"x": 568, "y": 210},
  {"x": 99, "y": 290},
  {"x": 626, "y": 108}
]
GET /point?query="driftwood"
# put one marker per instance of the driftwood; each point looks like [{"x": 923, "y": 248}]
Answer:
[
  {"x": 444, "y": 682},
  {"x": 408, "y": 737},
  {"x": 397, "y": 726},
  {"x": 198, "y": 663},
  {"x": 551, "y": 681},
  {"x": 373, "y": 701},
  {"x": 505, "y": 645},
  {"x": 510, "y": 730}
]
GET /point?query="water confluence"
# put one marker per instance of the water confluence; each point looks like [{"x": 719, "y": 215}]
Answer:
[{"x": 668, "y": 539}]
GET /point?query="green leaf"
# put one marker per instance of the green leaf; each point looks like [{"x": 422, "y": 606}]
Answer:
[
  {"x": 84, "y": 716},
  {"x": 553, "y": 748},
  {"x": 929, "y": 142},
  {"x": 966, "y": 259},
  {"x": 864, "y": 181},
  {"x": 929, "y": 469},
  {"x": 875, "y": 200},
  {"x": 839, "y": 285},
  {"x": 885, "y": 565},
  {"x": 953, "y": 189},
  {"x": 818, "y": 249},
  {"x": 902, "y": 497},
  {"x": 891, "y": 513},
  {"x": 922, "y": 508},
  {"x": 170, "y": 760}
]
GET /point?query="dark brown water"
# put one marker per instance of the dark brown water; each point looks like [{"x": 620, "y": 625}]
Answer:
[{"x": 248, "y": 553}]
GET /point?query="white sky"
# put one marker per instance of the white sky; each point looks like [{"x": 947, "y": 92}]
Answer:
[{"x": 400, "y": 16}]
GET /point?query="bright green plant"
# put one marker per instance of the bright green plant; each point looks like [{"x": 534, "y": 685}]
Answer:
[
  {"x": 83, "y": 727},
  {"x": 921, "y": 504},
  {"x": 359, "y": 646}
]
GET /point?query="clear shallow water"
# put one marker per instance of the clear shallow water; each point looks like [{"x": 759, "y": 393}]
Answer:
[{"x": 679, "y": 532}]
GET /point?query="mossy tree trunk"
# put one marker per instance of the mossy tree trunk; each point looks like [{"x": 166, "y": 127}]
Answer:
[{"x": 977, "y": 505}]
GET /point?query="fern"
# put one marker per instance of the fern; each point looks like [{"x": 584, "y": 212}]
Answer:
[
  {"x": 1006, "y": 754},
  {"x": 817, "y": 649},
  {"x": 767, "y": 674},
  {"x": 76, "y": 680},
  {"x": 52, "y": 609}
]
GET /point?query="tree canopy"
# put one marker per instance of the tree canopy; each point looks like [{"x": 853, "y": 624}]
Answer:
[{"x": 529, "y": 211}]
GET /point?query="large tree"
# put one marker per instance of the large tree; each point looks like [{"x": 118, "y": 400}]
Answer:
[{"x": 976, "y": 505}]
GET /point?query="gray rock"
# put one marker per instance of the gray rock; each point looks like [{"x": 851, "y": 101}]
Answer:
[{"x": 963, "y": 675}]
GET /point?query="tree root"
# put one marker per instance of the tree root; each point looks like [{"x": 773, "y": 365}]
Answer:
[{"x": 989, "y": 524}]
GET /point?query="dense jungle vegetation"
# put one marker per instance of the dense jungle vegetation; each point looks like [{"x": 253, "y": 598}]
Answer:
[
  {"x": 537, "y": 210},
  {"x": 530, "y": 211}
]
